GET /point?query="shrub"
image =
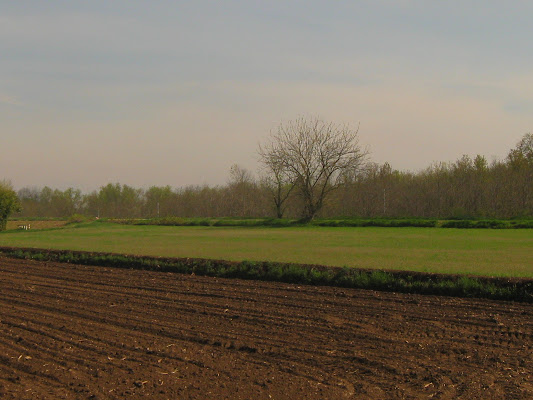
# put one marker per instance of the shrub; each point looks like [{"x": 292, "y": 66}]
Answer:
[{"x": 77, "y": 219}]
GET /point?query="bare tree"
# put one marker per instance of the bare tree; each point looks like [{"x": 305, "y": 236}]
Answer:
[
  {"x": 276, "y": 179},
  {"x": 520, "y": 160},
  {"x": 241, "y": 187},
  {"x": 314, "y": 156}
]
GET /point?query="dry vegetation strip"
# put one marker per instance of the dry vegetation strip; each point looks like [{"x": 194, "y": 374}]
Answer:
[
  {"x": 72, "y": 331},
  {"x": 35, "y": 224}
]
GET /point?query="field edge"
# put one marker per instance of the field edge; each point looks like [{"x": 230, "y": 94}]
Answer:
[{"x": 468, "y": 286}]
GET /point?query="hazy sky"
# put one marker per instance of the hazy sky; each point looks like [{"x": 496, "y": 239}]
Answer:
[{"x": 175, "y": 92}]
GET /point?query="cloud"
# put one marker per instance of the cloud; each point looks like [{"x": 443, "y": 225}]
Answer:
[
  {"x": 406, "y": 123},
  {"x": 176, "y": 94},
  {"x": 5, "y": 99}
]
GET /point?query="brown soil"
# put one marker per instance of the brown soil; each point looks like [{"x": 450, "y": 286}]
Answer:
[
  {"x": 35, "y": 224},
  {"x": 79, "y": 332}
]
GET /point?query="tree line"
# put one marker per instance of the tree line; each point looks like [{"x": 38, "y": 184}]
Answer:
[{"x": 314, "y": 168}]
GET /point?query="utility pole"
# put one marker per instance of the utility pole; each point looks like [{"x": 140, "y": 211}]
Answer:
[{"x": 157, "y": 209}]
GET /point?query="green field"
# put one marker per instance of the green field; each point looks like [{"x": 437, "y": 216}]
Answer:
[{"x": 472, "y": 251}]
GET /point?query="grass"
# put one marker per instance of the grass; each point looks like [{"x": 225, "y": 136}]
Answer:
[{"x": 487, "y": 252}]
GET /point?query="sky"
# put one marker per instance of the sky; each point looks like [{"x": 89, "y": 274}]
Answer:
[{"x": 175, "y": 92}]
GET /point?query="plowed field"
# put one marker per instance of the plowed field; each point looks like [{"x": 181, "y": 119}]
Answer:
[{"x": 78, "y": 332}]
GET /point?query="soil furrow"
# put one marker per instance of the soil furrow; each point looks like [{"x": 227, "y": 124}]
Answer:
[{"x": 94, "y": 332}]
